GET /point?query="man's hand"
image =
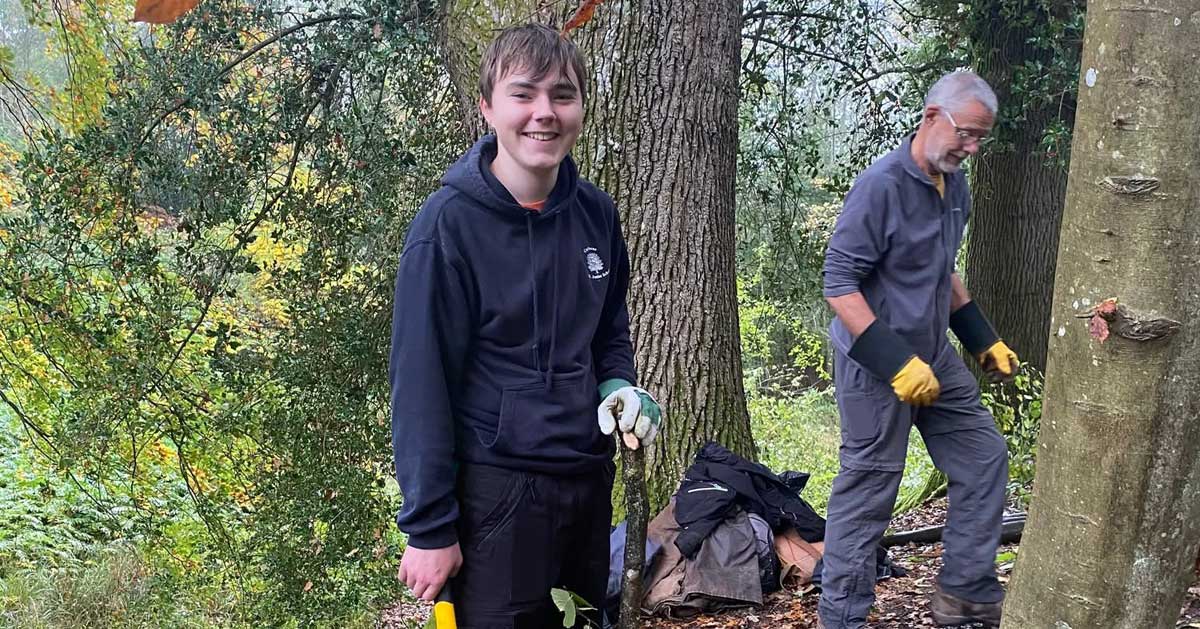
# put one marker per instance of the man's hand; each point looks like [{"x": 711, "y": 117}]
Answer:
[
  {"x": 425, "y": 571},
  {"x": 915, "y": 383},
  {"x": 890, "y": 358},
  {"x": 978, "y": 337},
  {"x": 999, "y": 362},
  {"x": 630, "y": 408}
]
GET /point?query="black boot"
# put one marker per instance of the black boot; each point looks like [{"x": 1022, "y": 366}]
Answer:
[{"x": 949, "y": 610}]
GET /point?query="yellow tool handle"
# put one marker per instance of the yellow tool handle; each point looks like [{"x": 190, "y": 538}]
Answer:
[{"x": 443, "y": 610}]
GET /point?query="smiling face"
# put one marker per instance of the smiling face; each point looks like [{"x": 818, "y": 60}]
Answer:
[
  {"x": 953, "y": 136},
  {"x": 537, "y": 119}
]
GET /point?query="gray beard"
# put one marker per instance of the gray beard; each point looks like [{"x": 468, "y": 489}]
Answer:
[{"x": 942, "y": 164}]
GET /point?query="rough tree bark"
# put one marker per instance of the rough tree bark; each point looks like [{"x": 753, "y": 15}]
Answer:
[
  {"x": 1115, "y": 521},
  {"x": 661, "y": 138}
]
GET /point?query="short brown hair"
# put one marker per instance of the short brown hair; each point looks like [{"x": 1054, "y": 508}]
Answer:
[{"x": 533, "y": 48}]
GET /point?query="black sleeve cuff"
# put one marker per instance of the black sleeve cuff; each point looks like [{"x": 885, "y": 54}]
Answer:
[
  {"x": 973, "y": 329},
  {"x": 881, "y": 351},
  {"x": 441, "y": 537}
]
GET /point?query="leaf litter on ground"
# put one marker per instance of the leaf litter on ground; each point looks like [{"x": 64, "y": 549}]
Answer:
[{"x": 900, "y": 603}]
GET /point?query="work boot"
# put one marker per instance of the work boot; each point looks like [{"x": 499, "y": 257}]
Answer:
[{"x": 949, "y": 610}]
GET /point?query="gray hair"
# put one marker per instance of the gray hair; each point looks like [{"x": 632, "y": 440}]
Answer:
[{"x": 956, "y": 89}]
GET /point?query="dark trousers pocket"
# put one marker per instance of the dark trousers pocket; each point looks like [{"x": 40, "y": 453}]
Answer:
[
  {"x": 861, "y": 417},
  {"x": 546, "y": 532},
  {"x": 488, "y": 500}
]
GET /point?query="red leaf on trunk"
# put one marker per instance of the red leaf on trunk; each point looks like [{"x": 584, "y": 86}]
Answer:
[
  {"x": 582, "y": 15},
  {"x": 162, "y": 11},
  {"x": 1098, "y": 327}
]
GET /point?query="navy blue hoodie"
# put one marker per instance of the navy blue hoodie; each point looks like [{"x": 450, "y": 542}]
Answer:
[{"x": 505, "y": 321}]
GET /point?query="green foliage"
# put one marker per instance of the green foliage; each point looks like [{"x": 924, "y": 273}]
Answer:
[
  {"x": 570, "y": 604},
  {"x": 195, "y": 296},
  {"x": 1017, "y": 407},
  {"x": 827, "y": 86},
  {"x": 1029, "y": 50},
  {"x": 781, "y": 351},
  {"x": 799, "y": 433},
  {"x": 803, "y": 433},
  {"x": 44, "y": 523},
  {"x": 114, "y": 588},
  {"x": 86, "y": 38}
]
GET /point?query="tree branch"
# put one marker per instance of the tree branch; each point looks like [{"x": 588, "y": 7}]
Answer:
[
  {"x": 805, "y": 51},
  {"x": 760, "y": 12}
]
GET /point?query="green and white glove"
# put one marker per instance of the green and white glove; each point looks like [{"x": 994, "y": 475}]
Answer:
[{"x": 630, "y": 408}]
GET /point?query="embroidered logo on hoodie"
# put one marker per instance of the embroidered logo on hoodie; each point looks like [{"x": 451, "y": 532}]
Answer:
[{"x": 595, "y": 266}]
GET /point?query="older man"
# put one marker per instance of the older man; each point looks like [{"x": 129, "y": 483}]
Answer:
[{"x": 890, "y": 279}]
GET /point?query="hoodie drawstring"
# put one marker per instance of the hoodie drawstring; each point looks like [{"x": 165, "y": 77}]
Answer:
[
  {"x": 547, "y": 377},
  {"x": 532, "y": 266},
  {"x": 554, "y": 298}
]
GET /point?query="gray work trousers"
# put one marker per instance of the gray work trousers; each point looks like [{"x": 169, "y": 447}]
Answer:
[{"x": 963, "y": 442}]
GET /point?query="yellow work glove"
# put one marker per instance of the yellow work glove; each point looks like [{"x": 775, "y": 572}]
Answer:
[
  {"x": 890, "y": 358},
  {"x": 998, "y": 361},
  {"x": 977, "y": 336},
  {"x": 915, "y": 383}
]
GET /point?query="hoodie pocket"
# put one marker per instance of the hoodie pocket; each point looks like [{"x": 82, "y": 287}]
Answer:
[{"x": 555, "y": 424}]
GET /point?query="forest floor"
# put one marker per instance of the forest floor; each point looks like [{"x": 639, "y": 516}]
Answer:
[{"x": 901, "y": 602}]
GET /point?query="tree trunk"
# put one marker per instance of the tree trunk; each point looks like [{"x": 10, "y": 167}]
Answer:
[
  {"x": 661, "y": 138},
  {"x": 1115, "y": 521},
  {"x": 1017, "y": 197}
]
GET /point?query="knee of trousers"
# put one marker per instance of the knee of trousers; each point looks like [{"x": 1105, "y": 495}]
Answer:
[
  {"x": 864, "y": 495},
  {"x": 994, "y": 450}
]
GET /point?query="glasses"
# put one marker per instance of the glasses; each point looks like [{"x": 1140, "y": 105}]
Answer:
[{"x": 965, "y": 136}]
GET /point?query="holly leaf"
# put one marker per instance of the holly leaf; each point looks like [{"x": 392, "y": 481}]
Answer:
[{"x": 162, "y": 11}]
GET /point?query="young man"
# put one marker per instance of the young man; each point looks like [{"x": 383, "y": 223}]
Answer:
[
  {"x": 511, "y": 357},
  {"x": 890, "y": 279}
]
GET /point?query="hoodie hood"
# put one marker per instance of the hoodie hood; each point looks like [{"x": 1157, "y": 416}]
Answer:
[{"x": 472, "y": 176}]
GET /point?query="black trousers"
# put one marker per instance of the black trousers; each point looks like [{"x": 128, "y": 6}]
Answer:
[{"x": 522, "y": 534}]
